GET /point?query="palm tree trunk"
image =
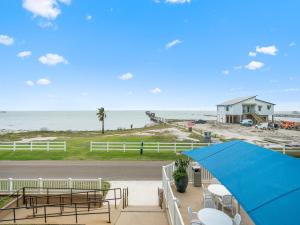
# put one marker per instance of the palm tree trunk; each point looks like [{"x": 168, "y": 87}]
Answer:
[{"x": 103, "y": 126}]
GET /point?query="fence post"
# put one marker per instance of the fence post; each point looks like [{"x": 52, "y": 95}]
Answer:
[
  {"x": 124, "y": 147},
  {"x": 65, "y": 146},
  {"x": 14, "y": 146},
  {"x": 47, "y": 143},
  {"x": 100, "y": 183},
  {"x": 40, "y": 184},
  {"x": 70, "y": 181},
  {"x": 91, "y": 146},
  {"x": 192, "y": 145},
  {"x": 174, "y": 210},
  {"x": 158, "y": 147},
  {"x": 283, "y": 149},
  {"x": 107, "y": 146},
  {"x": 175, "y": 147},
  {"x": 31, "y": 146},
  {"x": 10, "y": 185}
]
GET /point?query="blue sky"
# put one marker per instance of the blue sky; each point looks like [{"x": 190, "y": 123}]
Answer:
[{"x": 147, "y": 54}]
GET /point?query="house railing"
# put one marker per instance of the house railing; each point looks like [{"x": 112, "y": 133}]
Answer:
[
  {"x": 33, "y": 145},
  {"x": 146, "y": 146},
  {"x": 170, "y": 199},
  {"x": 10, "y": 185}
]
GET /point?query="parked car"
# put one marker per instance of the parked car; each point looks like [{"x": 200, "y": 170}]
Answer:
[
  {"x": 246, "y": 122},
  {"x": 263, "y": 126}
]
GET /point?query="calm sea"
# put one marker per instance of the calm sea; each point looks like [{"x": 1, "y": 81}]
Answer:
[
  {"x": 87, "y": 120},
  {"x": 83, "y": 120}
]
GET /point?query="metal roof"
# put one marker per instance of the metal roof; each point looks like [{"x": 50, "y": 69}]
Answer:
[{"x": 236, "y": 100}]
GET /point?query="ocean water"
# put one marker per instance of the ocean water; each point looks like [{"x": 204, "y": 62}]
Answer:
[
  {"x": 83, "y": 120},
  {"x": 87, "y": 120}
]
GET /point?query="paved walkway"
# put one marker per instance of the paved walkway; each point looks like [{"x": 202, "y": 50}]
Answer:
[
  {"x": 142, "y": 216},
  {"x": 111, "y": 170},
  {"x": 139, "y": 192}
]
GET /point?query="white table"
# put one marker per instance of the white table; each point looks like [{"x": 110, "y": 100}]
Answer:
[
  {"x": 210, "y": 216},
  {"x": 218, "y": 190}
]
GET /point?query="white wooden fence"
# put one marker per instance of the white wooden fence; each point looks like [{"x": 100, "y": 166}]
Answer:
[
  {"x": 169, "y": 198},
  {"x": 11, "y": 185},
  {"x": 147, "y": 146},
  {"x": 33, "y": 145}
]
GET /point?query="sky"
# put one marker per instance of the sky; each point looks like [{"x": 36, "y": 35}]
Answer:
[{"x": 147, "y": 54}]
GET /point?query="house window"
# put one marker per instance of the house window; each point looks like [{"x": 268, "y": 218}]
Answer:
[
  {"x": 268, "y": 107},
  {"x": 227, "y": 108},
  {"x": 259, "y": 108}
]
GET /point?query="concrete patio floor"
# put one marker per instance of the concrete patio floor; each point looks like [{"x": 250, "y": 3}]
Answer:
[{"x": 193, "y": 198}]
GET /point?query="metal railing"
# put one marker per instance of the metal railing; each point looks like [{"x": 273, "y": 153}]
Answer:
[
  {"x": 125, "y": 197},
  {"x": 60, "y": 193},
  {"x": 33, "y": 146},
  {"x": 10, "y": 185},
  {"x": 79, "y": 208},
  {"x": 81, "y": 202},
  {"x": 146, "y": 146}
]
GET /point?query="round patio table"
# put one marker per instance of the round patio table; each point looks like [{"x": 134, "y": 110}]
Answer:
[
  {"x": 218, "y": 190},
  {"x": 210, "y": 216}
]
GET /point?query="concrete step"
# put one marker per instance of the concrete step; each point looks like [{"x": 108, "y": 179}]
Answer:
[{"x": 143, "y": 209}]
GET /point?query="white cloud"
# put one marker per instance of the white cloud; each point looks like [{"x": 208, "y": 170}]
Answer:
[
  {"x": 292, "y": 44},
  {"x": 88, "y": 17},
  {"x": 225, "y": 72},
  {"x": 173, "y": 43},
  {"x": 43, "y": 81},
  {"x": 29, "y": 83},
  {"x": 24, "y": 54},
  {"x": 6, "y": 40},
  {"x": 268, "y": 50},
  {"x": 48, "y": 9},
  {"x": 178, "y": 1},
  {"x": 51, "y": 59},
  {"x": 238, "y": 67},
  {"x": 291, "y": 90},
  {"x": 66, "y": 2},
  {"x": 156, "y": 90},
  {"x": 254, "y": 65},
  {"x": 126, "y": 76},
  {"x": 252, "y": 54},
  {"x": 46, "y": 24}
]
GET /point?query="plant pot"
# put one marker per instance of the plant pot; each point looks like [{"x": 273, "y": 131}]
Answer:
[{"x": 182, "y": 184}]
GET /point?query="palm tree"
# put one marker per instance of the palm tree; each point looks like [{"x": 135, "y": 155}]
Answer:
[{"x": 101, "y": 116}]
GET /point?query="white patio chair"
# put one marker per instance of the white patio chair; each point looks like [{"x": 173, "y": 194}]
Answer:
[
  {"x": 227, "y": 202},
  {"x": 237, "y": 219},
  {"x": 194, "y": 220},
  {"x": 206, "y": 193},
  {"x": 209, "y": 203},
  {"x": 215, "y": 181}
]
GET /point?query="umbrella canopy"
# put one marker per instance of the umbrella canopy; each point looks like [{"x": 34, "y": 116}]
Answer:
[{"x": 265, "y": 183}]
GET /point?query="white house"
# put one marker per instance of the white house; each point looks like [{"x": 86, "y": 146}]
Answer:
[{"x": 235, "y": 110}]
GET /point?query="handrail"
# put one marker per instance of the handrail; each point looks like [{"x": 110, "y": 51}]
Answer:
[
  {"x": 73, "y": 191},
  {"x": 61, "y": 207}
]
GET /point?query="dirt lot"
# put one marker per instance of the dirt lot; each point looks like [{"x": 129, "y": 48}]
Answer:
[{"x": 251, "y": 134}]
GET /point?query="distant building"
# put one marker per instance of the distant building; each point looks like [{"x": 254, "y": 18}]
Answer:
[{"x": 235, "y": 110}]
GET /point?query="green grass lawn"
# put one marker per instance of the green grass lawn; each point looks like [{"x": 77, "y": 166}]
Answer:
[{"x": 78, "y": 145}]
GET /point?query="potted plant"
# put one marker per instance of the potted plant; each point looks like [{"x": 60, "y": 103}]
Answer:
[{"x": 180, "y": 175}]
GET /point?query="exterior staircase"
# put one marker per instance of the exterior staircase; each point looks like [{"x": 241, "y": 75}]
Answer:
[{"x": 257, "y": 118}]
